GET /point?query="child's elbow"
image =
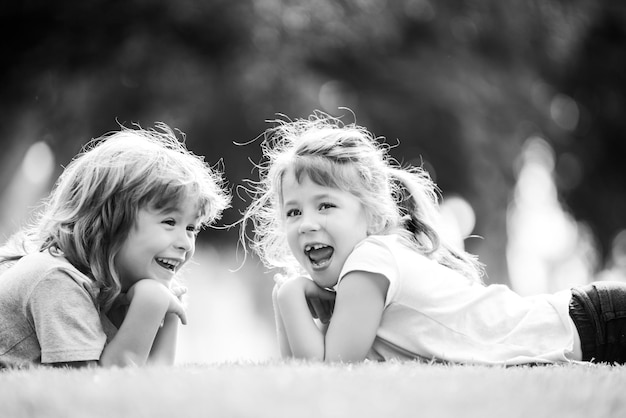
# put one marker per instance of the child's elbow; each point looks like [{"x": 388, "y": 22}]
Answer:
[
  {"x": 343, "y": 360},
  {"x": 120, "y": 359},
  {"x": 309, "y": 354},
  {"x": 345, "y": 355},
  {"x": 162, "y": 359}
]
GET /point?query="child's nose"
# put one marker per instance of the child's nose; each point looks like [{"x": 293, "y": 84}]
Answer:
[
  {"x": 185, "y": 241},
  {"x": 308, "y": 223}
]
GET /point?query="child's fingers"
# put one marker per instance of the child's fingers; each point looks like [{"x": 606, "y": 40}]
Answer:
[
  {"x": 327, "y": 295},
  {"x": 177, "y": 308},
  {"x": 329, "y": 306},
  {"x": 182, "y": 314},
  {"x": 280, "y": 279},
  {"x": 312, "y": 309},
  {"x": 323, "y": 309},
  {"x": 312, "y": 290},
  {"x": 179, "y": 291},
  {"x": 183, "y": 317},
  {"x": 318, "y": 308}
]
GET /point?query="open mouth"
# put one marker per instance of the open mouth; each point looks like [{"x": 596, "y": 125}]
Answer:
[
  {"x": 319, "y": 254},
  {"x": 168, "y": 263}
]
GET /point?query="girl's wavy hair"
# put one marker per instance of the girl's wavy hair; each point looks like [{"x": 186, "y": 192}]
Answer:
[
  {"x": 347, "y": 157},
  {"x": 94, "y": 203}
]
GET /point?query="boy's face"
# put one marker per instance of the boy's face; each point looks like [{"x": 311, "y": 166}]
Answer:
[
  {"x": 159, "y": 244},
  {"x": 323, "y": 225}
]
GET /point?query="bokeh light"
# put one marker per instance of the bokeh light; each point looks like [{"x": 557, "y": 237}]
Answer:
[{"x": 38, "y": 163}]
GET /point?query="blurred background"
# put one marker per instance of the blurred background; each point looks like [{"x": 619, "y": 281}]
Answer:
[{"x": 515, "y": 107}]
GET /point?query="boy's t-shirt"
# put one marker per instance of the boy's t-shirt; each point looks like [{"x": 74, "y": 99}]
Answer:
[
  {"x": 434, "y": 313},
  {"x": 49, "y": 313}
]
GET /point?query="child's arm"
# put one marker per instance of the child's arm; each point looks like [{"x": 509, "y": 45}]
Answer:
[
  {"x": 283, "y": 342},
  {"x": 164, "y": 347},
  {"x": 150, "y": 302},
  {"x": 304, "y": 338},
  {"x": 357, "y": 313},
  {"x": 320, "y": 308},
  {"x": 74, "y": 364}
]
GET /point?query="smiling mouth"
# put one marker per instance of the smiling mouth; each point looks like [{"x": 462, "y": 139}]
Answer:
[
  {"x": 319, "y": 254},
  {"x": 168, "y": 263}
]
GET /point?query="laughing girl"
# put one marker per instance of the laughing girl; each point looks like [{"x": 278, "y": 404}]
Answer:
[{"x": 369, "y": 275}]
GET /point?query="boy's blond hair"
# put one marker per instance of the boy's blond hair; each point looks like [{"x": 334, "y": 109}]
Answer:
[{"x": 95, "y": 201}]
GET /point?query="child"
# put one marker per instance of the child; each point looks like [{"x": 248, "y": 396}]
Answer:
[
  {"x": 346, "y": 224},
  {"x": 92, "y": 280}
]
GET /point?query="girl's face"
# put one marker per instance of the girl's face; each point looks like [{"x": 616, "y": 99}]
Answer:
[
  {"x": 159, "y": 244},
  {"x": 323, "y": 226}
]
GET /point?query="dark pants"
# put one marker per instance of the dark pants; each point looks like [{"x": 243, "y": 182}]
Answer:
[{"x": 599, "y": 312}]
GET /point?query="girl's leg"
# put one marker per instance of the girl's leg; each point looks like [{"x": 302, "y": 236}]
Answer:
[{"x": 599, "y": 312}]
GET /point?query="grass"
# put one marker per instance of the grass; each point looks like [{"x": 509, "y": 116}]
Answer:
[
  {"x": 301, "y": 389},
  {"x": 227, "y": 368}
]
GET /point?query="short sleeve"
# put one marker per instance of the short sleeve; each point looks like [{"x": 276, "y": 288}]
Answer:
[
  {"x": 66, "y": 320},
  {"x": 373, "y": 256}
]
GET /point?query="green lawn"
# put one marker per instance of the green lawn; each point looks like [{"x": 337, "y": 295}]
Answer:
[{"x": 297, "y": 389}]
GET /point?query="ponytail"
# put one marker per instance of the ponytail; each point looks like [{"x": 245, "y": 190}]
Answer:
[{"x": 417, "y": 198}]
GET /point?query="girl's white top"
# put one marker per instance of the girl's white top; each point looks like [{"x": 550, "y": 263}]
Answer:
[{"x": 434, "y": 313}]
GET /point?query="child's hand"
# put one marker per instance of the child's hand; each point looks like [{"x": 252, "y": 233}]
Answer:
[
  {"x": 177, "y": 307},
  {"x": 320, "y": 301},
  {"x": 322, "y": 308},
  {"x": 180, "y": 292},
  {"x": 156, "y": 293}
]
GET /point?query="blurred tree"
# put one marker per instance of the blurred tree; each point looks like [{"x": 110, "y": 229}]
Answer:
[
  {"x": 459, "y": 84},
  {"x": 454, "y": 82},
  {"x": 73, "y": 71},
  {"x": 591, "y": 169}
]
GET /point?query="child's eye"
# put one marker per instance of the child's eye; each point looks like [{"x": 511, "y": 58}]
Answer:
[
  {"x": 195, "y": 229},
  {"x": 170, "y": 222},
  {"x": 292, "y": 212},
  {"x": 327, "y": 205}
]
